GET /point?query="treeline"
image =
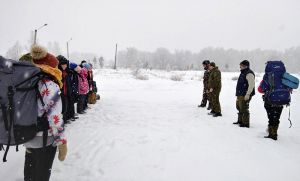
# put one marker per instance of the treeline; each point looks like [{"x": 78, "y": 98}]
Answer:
[
  {"x": 226, "y": 59},
  {"x": 17, "y": 50}
]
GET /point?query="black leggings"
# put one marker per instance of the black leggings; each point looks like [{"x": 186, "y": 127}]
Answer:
[
  {"x": 38, "y": 163},
  {"x": 274, "y": 113},
  {"x": 81, "y": 103}
]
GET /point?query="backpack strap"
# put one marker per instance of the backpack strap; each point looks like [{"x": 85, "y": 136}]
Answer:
[
  {"x": 1, "y": 147},
  {"x": 4, "y": 115},
  {"x": 290, "y": 117},
  {"x": 271, "y": 81},
  {"x": 11, "y": 119}
]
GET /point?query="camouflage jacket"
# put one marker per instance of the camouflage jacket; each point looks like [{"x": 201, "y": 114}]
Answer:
[{"x": 214, "y": 80}]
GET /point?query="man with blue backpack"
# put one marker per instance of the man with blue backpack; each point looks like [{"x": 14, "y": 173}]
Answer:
[{"x": 276, "y": 86}]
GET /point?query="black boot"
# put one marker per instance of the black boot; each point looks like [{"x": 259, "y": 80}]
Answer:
[
  {"x": 202, "y": 105},
  {"x": 211, "y": 113},
  {"x": 217, "y": 114},
  {"x": 239, "y": 119},
  {"x": 244, "y": 125}
]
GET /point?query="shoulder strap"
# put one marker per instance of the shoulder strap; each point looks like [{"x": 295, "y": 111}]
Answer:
[
  {"x": 11, "y": 119},
  {"x": 271, "y": 81}
]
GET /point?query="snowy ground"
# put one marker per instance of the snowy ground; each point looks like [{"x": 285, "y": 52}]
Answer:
[{"x": 152, "y": 130}]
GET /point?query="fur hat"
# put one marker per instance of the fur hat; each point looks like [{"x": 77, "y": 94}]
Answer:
[
  {"x": 41, "y": 56},
  {"x": 245, "y": 63}
]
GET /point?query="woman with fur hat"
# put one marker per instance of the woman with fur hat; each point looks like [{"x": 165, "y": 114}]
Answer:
[{"x": 39, "y": 154}]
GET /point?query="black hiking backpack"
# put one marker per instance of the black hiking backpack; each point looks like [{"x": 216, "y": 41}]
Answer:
[{"x": 18, "y": 103}]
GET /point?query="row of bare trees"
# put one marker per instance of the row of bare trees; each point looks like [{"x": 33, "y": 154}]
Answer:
[{"x": 226, "y": 59}]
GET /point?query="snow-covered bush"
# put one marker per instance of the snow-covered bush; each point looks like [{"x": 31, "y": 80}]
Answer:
[
  {"x": 138, "y": 74},
  {"x": 177, "y": 77}
]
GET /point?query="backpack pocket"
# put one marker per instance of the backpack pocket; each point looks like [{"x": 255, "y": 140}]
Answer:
[
  {"x": 279, "y": 97},
  {"x": 23, "y": 134}
]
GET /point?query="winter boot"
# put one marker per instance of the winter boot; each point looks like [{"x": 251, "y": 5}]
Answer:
[
  {"x": 202, "y": 105},
  {"x": 217, "y": 114},
  {"x": 245, "y": 120},
  {"x": 211, "y": 113},
  {"x": 209, "y": 106},
  {"x": 239, "y": 119},
  {"x": 272, "y": 132}
]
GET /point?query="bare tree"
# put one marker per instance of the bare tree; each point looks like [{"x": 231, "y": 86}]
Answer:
[
  {"x": 101, "y": 62},
  {"x": 15, "y": 51}
]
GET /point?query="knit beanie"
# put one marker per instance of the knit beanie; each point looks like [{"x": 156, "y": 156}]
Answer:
[
  {"x": 73, "y": 66},
  {"x": 41, "y": 56},
  {"x": 245, "y": 63},
  {"x": 62, "y": 60},
  {"x": 206, "y": 62}
]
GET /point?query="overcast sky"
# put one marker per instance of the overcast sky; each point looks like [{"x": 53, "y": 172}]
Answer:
[{"x": 96, "y": 25}]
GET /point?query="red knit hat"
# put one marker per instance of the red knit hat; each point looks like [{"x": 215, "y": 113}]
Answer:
[{"x": 41, "y": 56}]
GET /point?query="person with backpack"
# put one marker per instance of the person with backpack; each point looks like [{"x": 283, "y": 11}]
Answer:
[
  {"x": 205, "y": 99},
  {"x": 214, "y": 89},
  {"x": 275, "y": 95},
  {"x": 40, "y": 152},
  {"x": 244, "y": 92}
]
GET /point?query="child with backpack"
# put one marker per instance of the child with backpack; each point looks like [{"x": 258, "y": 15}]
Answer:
[
  {"x": 276, "y": 87},
  {"x": 40, "y": 152}
]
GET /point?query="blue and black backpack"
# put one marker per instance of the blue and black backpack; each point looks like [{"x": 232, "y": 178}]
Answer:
[{"x": 276, "y": 93}]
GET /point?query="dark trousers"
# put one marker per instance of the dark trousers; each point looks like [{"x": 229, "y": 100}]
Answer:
[
  {"x": 65, "y": 106},
  {"x": 274, "y": 113},
  {"x": 215, "y": 101},
  {"x": 68, "y": 108},
  {"x": 38, "y": 163},
  {"x": 71, "y": 109},
  {"x": 81, "y": 103}
]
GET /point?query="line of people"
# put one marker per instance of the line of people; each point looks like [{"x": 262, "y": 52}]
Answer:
[
  {"x": 65, "y": 85},
  {"x": 275, "y": 93}
]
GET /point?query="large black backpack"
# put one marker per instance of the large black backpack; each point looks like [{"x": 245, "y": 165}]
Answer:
[{"x": 18, "y": 103}]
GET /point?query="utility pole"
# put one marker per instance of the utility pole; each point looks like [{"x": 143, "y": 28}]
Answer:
[
  {"x": 68, "y": 48},
  {"x": 35, "y": 32},
  {"x": 115, "y": 67}
]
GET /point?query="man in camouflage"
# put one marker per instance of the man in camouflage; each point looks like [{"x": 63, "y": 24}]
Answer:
[
  {"x": 214, "y": 89},
  {"x": 244, "y": 92},
  {"x": 205, "y": 97}
]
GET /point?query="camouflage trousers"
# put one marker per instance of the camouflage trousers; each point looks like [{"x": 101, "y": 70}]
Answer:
[
  {"x": 205, "y": 98},
  {"x": 215, "y": 101},
  {"x": 243, "y": 107}
]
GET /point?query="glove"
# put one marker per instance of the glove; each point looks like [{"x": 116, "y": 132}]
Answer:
[
  {"x": 211, "y": 90},
  {"x": 247, "y": 97},
  {"x": 62, "y": 152}
]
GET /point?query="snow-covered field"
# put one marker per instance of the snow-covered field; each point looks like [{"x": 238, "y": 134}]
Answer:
[{"x": 152, "y": 130}]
